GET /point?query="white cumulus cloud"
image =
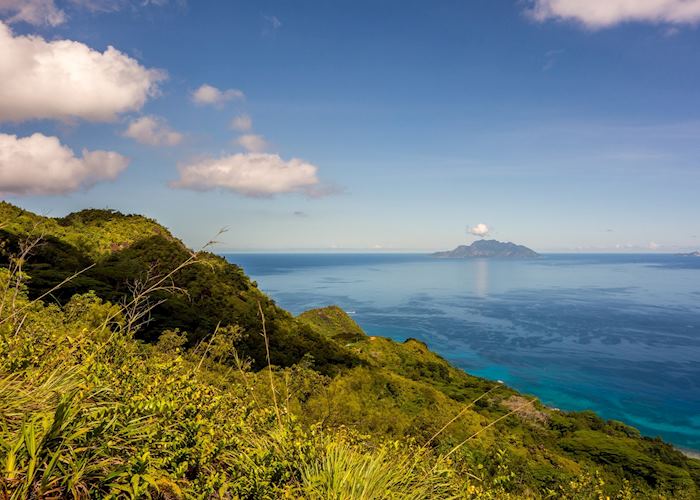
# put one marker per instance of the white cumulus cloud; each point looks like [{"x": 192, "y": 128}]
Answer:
[
  {"x": 153, "y": 131},
  {"x": 250, "y": 174},
  {"x": 40, "y": 164},
  {"x": 242, "y": 123},
  {"x": 252, "y": 143},
  {"x": 36, "y": 12},
  {"x": 64, "y": 79},
  {"x": 604, "y": 13},
  {"x": 480, "y": 230},
  {"x": 207, "y": 94}
]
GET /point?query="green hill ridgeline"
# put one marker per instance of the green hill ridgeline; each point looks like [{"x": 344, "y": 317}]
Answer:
[
  {"x": 159, "y": 372},
  {"x": 124, "y": 249}
]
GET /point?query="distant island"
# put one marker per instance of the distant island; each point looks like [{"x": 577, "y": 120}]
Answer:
[
  {"x": 488, "y": 249},
  {"x": 691, "y": 254}
]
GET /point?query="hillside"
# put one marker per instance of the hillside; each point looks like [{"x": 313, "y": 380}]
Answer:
[
  {"x": 117, "y": 252},
  {"x": 488, "y": 249},
  {"x": 98, "y": 398}
]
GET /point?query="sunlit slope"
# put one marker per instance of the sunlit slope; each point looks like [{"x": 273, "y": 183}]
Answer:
[{"x": 547, "y": 444}]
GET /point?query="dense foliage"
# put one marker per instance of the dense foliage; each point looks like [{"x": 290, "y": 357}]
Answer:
[
  {"x": 163, "y": 373},
  {"x": 117, "y": 252}
]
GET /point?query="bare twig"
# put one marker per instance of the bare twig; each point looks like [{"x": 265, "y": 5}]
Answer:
[
  {"x": 137, "y": 311},
  {"x": 157, "y": 285},
  {"x": 16, "y": 264}
]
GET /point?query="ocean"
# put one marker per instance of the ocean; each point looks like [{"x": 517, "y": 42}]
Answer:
[{"x": 616, "y": 334}]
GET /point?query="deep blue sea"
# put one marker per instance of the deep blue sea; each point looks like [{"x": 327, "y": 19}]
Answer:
[{"x": 617, "y": 334}]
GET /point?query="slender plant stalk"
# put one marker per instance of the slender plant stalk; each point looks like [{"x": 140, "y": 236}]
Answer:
[
  {"x": 240, "y": 366},
  {"x": 269, "y": 366},
  {"x": 216, "y": 330},
  {"x": 464, "y": 410},
  {"x": 490, "y": 425},
  {"x": 43, "y": 295}
]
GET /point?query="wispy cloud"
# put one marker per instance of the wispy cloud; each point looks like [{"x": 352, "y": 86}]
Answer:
[
  {"x": 209, "y": 95},
  {"x": 551, "y": 58},
  {"x": 36, "y": 12},
  {"x": 48, "y": 13},
  {"x": 270, "y": 25},
  {"x": 153, "y": 131},
  {"x": 242, "y": 123},
  {"x": 252, "y": 143}
]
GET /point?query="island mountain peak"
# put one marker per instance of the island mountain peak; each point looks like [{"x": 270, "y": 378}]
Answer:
[{"x": 489, "y": 249}]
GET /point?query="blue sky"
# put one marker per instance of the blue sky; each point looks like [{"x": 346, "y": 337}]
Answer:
[{"x": 561, "y": 128}]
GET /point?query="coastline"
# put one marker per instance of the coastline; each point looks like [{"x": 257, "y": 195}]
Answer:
[
  {"x": 325, "y": 279},
  {"x": 690, "y": 453}
]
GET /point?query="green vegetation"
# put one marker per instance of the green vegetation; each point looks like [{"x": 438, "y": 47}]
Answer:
[
  {"x": 127, "y": 251},
  {"x": 163, "y": 373}
]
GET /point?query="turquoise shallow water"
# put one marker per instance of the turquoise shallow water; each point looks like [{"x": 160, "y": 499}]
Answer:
[{"x": 617, "y": 334}]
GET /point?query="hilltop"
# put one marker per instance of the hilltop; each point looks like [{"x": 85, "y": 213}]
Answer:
[
  {"x": 217, "y": 392},
  {"x": 115, "y": 252},
  {"x": 488, "y": 249}
]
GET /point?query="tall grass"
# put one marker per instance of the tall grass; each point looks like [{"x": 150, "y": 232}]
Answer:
[{"x": 390, "y": 472}]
